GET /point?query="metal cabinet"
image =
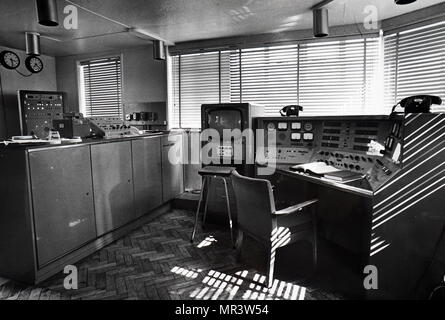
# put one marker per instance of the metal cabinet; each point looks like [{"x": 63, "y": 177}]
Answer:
[
  {"x": 62, "y": 201},
  {"x": 113, "y": 185},
  {"x": 172, "y": 168},
  {"x": 147, "y": 174}
]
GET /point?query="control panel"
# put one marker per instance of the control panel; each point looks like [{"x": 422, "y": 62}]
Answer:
[
  {"x": 370, "y": 146},
  {"x": 37, "y": 111},
  {"x": 110, "y": 127}
]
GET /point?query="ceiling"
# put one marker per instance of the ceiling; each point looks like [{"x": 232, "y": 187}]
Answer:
[{"x": 103, "y": 25}]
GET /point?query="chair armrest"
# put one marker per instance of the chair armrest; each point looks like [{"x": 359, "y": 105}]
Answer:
[{"x": 296, "y": 208}]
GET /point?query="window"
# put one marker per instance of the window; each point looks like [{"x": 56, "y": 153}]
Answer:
[
  {"x": 415, "y": 63},
  {"x": 330, "y": 78},
  {"x": 340, "y": 77},
  {"x": 199, "y": 84},
  {"x": 269, "y": 76},
  {"x": 101, "y": 87}
]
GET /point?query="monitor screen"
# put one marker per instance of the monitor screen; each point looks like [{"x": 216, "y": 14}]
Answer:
[{"x": 221, "y": 119}]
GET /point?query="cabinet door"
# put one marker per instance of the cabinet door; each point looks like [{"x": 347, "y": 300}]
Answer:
[
  {"x": 113, "y": 185},
  {"x": 62, "y": 200},
  {"x": 147, "y": 174},
  {"x": 172, "y": 171}
]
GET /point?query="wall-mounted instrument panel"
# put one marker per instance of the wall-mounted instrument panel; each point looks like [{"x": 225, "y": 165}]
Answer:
[
  {"x": 38, "y": 109},
  {"x": 366, "y": 145}
]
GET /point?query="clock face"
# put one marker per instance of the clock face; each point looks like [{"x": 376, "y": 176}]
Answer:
[
  {"x": 9, "y": 60},
  {"x": 34, "y": 64}
]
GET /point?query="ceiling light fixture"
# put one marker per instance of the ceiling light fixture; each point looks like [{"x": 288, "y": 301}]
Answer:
[
  {"x": 321, "y": 22},
  {"x": 404, "y": 1},
  {"x": 159, "y": 52},
  {"x": 47, "y": 13},
  {"x": 32, "y": 43}
]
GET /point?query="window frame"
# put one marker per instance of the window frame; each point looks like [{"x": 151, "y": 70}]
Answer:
[{"x": 80, "y": 79}]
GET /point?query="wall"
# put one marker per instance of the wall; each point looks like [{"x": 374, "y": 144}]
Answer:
[
  {"x": 144, "y": 79},
  {"x": 12, "y": 82}
]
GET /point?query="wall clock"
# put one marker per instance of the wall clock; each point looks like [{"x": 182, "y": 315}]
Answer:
[
  {"x": 34, "y": 64},
  {"x": 9, "y": 60}
]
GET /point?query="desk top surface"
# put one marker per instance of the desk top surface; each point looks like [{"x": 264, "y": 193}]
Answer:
[{"x": 359, "y": 187}]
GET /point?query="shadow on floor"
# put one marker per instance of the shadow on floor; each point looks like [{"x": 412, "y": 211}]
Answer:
[{"x": 158, "y": 262}]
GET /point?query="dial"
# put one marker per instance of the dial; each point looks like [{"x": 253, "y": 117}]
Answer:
[
  {"x": 271, "y": 126},
  {"x": 308, "y": 126},
  {"x": 308, "y": 137},
  {"x": 296, "y": 125},
  {"x": 282, "y": 126},
  {"x": 34, "y": 64},
  {"x": 9, "y": 60},
  {"x": 295, "y": 136}
]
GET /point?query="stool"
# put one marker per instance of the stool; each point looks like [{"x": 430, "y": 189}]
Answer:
[{"x": 208, "y": 173}]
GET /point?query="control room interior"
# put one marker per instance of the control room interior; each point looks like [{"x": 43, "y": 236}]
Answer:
[{"x": 222, "y": 150}]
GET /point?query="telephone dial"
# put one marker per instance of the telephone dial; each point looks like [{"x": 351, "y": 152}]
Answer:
[
  {"x": 291, "y": 111},
  {"x": 418, "y": 104}
]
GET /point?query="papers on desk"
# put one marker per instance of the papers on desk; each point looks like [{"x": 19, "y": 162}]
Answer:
[
  {"x": 317, "y": 168},
  {"x": 343, "y": 176},
  {"x": 327, "y": 172}
]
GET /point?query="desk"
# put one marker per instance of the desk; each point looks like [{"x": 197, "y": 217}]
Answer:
[
  {"x": 396, "y": 222},
  {"x": 357, "y": 187}
]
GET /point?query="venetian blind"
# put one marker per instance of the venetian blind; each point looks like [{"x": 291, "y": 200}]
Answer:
[
  {"x": 327, "y": 78},
  {"x": 339, "y": 77},
  {"x": 199, "y": 84},
  {"x": 415, "y": 63},
  {"x": 101, "y": 86}
]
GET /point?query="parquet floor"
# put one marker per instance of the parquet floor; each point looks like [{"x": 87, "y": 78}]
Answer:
[{"x": 157, "y": 261}]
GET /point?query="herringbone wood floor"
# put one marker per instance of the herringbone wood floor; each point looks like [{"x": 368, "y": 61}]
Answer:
[{"x": 158, "y": 261}]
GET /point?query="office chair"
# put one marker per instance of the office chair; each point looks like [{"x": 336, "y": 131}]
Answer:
[{"x": 259, "y": 220}]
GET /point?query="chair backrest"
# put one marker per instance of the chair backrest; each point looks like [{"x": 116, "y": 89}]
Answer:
[{"x": 255, "y": 205}]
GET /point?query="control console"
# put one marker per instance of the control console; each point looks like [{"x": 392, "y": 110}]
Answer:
[
  {"x": 110, "y": 128},
  {"x": 371, "y": 146}
]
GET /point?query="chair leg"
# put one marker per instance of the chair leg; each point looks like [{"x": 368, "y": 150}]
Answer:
[
  {"x": 239, "y": 244},
  {"x": 228, "y": 211},
  {"x": 206, "y": 204},
  {"x": 197, "y": 211},
  {"x": 270, "y": 268},
  {"x": 315, "y": 239}
]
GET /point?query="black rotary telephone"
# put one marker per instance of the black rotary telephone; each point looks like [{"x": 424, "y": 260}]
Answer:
[
  {"x": 418, "y": 104},
  {"x": 291, "y": 111}
]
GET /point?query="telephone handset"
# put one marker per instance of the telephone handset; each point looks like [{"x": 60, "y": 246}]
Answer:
[
  {"x": 418, "y": 104},
  {"x": 291, "y": 111}
]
